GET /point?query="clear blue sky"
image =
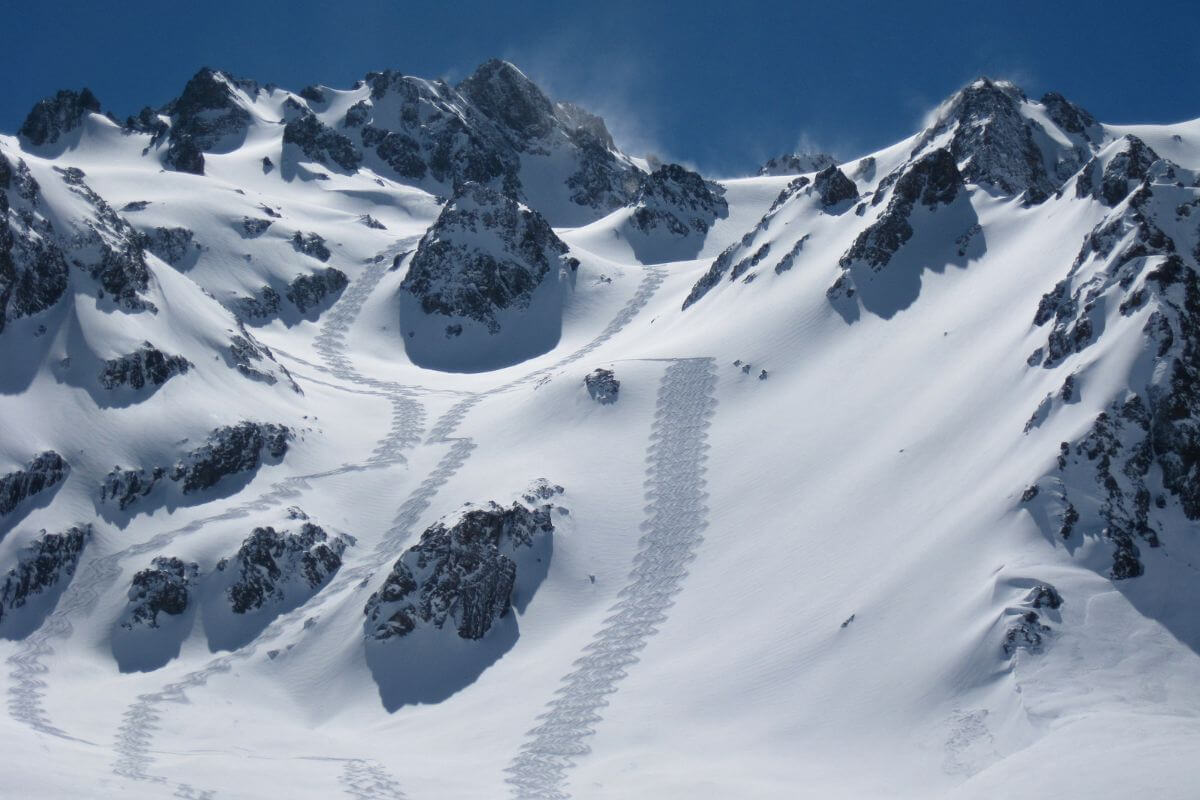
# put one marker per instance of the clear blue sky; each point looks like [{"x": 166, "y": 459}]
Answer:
[{"x": 720, "y": 85}]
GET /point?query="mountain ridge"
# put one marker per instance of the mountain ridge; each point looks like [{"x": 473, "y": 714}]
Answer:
[{"x": 899, "y": 485}]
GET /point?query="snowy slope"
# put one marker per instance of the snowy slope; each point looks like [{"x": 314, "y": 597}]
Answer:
[{"x": 827, "y": 536}]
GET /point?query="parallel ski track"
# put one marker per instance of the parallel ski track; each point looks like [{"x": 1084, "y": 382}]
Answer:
[
  {"x": 675, "y": 520},
  {"x": 141, "y": 720}
]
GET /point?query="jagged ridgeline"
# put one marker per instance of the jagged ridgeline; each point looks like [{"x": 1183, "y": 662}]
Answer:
[{"x": 272, "y": 360}]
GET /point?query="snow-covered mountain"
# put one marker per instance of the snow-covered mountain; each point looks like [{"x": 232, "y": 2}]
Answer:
[{"x": 414, "y": 440}]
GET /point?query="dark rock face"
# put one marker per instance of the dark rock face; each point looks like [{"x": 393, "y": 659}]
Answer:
[
  {"x": 42, "y": 472},
  {"x": 322, "y": 143},
  {"x": 120, "y": 271},
  {"x": 202, "y": 116},
  {"x": 165, "y": 587},
  {"x": 262, "y": 305},
  {"x": 1070, "y": 117},
  {"x": 1146, "y": 444},
  {"x": 126, "y": 486},
  {"x": 1126, "y": 170},
  {"x": 679, "y": 200},
  {"x": 463, "y": 575},
  {"x": 252, "y": 226},
  {"x": 147, "y": 121},
  {"x": 229, "y": 451},
  {"x": 833, "y": 187},
  {"x": 254, "y": 360},
  {"x": 602, "y": 385},
  {"x": 1026, "y": 633},
  {"x": 482, "y": 129},
  {"x": 33, "y": 267},
  {"x": 147, "y": 365},
  {"x": 1076, "y": 306},
  {"x": 172, "y": 245},
  {"x": 313, "y": 94},
  {"x": 723, "y": 262},
  {"x": 602, "y": 180},
  {"x": 932, "y": 180},
  {"x": 1044, "y": 596},
  {"x": 995, "y": 141},
  {"x": 43, "y": 564},
  {"x": 309, "y": 291},
  {"x": 438, "y": 132},
  {"x": 485, "y": 253},
  {"x": 271, "y": 564},
  {"x": 503, "y": 94},
  {"x": 56, "y": 115},
  {"x": 310, "y": 244},
  {"x": 797, "y": 164}
]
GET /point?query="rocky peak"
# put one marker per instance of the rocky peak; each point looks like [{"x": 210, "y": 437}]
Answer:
[
  {"x": 993, "y": 141},
  {"x": 797, "y": 164},
  {"x": 486, "y": 252},
  {"x": 208, "y": 90},
  {"x": 205, "y": 113},
  {"x": 504, "y": 95},
  {"x": 54, "y": 116}
]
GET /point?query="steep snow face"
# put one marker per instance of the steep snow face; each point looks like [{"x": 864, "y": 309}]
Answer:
[{"x": 260, "y": 348}]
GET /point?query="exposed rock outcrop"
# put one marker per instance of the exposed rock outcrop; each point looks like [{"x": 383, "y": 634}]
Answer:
[
  {"x": 47, "y": 561},
  {"x": 274, "y": 567},
  {"x": 33, "y": 266},
  {"x": 126, "y": 486},
  {"x": 146, "y": 365},
  {"x": 172, "y": 245},
  {"x": 602, "y": 385},
  {"x": 163, "y": 588},
  {"x": 462, "y": 575},
  {"x": 203, "y": 116},
  {"x": 253, "y": 359},
  {"x": 833, "y": 187},
  {"x": 321, "y": 143},
  {"x": 797, "y": 164},
  {"x": 311, "y": 244},
  {"x": 57, "y": 115},
  {"x": 43, "y": 471},
  {"x": 309, "y": 291},
  {"x": 486, "y": 253},
  {"x": 229, "y": 451},
  {"x": 679, "y": 201},
  {"x": 932, "y": 180}
]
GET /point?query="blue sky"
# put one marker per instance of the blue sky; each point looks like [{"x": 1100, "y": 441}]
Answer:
[{"x": 719, "y": 85}]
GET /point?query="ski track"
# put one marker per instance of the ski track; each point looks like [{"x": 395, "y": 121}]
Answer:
[
  {"x": 675, "y": 519},
  {"x": 368, "y": 780},
  {"x": 359, "y": 778}
]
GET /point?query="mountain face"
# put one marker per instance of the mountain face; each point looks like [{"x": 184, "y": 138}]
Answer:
[{"x": 279, "y": 367}]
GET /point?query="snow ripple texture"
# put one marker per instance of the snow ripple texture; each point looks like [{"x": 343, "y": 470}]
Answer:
[{"x": 675, "y": 519}]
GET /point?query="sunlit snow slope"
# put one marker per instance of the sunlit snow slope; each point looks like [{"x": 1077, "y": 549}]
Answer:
[{"x": 303, "y": 491}]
